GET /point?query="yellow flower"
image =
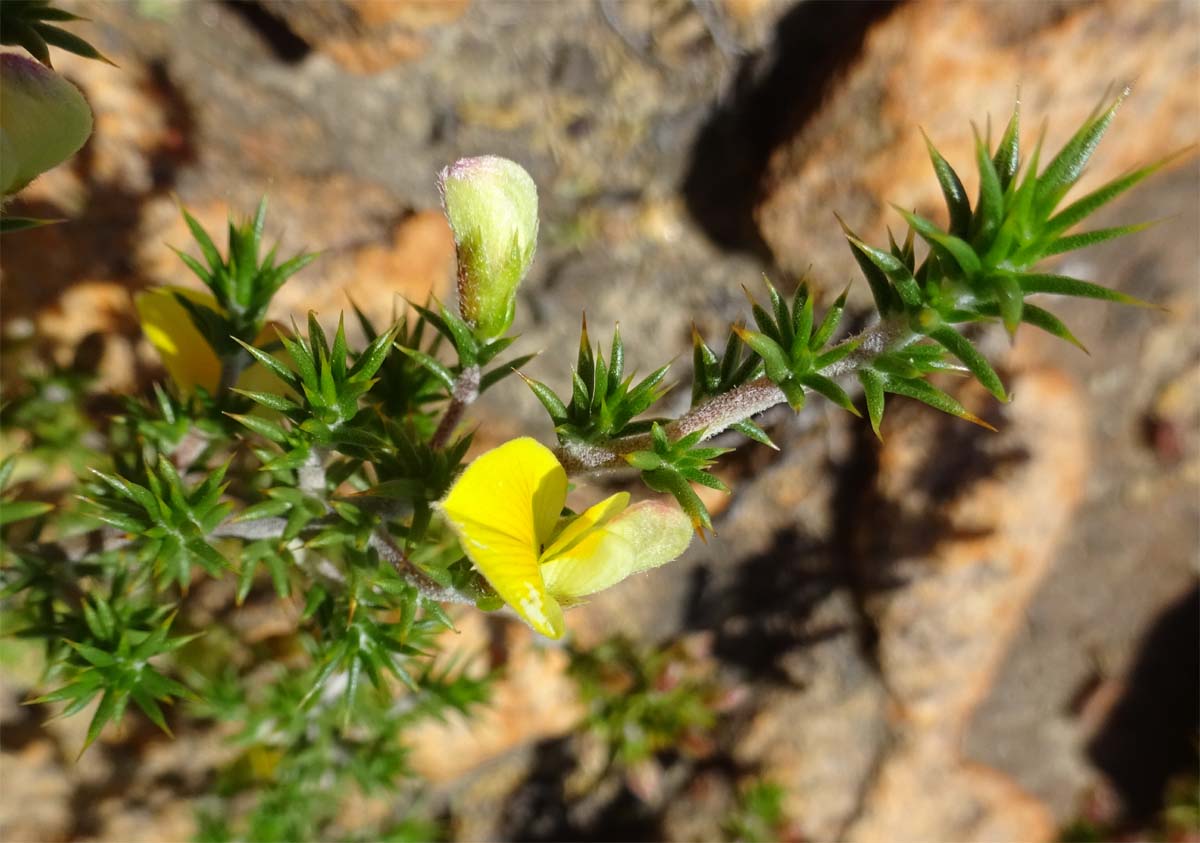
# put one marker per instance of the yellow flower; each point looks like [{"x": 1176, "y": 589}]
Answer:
[
  {"x": 506, "y": 507},
  {"x": 187, "y": 356}
]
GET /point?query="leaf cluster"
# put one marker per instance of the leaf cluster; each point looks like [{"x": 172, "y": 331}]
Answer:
[
  {"x": 980, "y": 267},
  {"x": 114, "y": 664},
  {"x": 672, "y": 467},
  {"x": 604, "y": 400},
  {"x": 792, "y": 352},
  {"x": 243, "y": 281},
  {"x": 171, "y": 520},
  {"x": 33, "y": 25}
]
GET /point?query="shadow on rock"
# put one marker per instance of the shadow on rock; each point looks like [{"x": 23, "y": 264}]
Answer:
[
  {"x": 772, "y": 96},
  {"x": 1150, "y": 737}
]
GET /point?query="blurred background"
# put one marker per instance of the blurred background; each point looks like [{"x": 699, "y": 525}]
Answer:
[{"x": 952, "y": 635}]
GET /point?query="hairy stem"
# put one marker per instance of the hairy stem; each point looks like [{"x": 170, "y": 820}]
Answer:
[
  {"x": 312, "y": 474},
  {"x": 739, "y": 404},
  {"x": 387, "y": 549},
  {"x": 466, "y": 390},
  {"x": 381, "y": 540}
]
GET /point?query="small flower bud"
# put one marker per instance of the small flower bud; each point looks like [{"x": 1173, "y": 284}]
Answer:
[
  {"x": 44, "y": 120},
  {"x": 491, "y": 204}
]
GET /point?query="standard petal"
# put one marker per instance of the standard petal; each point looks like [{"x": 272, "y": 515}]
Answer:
[
  {"x": 504, "y": 507},
  {"x": 187, "y": 356},
  {"x": 518, "y": 489}
]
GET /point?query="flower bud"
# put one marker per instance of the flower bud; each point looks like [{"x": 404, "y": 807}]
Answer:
[
  {"x": 491, "y": 204},
  {"x": 44, "y": 120}
]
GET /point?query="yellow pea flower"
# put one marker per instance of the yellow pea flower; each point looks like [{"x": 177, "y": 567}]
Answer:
[
  {"x": 505, "y": 509},
  {"x": 187, "y": 356}
]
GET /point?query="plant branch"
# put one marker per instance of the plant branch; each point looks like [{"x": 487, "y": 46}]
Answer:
[
  {"x": 312, "y": 474},
  {"x": 387, "y": 549},
  {"x": 466, "y": 390},
  {"x": 739, "y": 404},
  {"x": 381, "y": 540}
]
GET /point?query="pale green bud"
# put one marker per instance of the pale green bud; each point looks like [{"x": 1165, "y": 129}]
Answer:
[
  {"x": 491, "y": 204},
  {"x": 44, "y": 120}
]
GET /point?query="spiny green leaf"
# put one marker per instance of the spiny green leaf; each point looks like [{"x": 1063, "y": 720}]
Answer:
[
  {"x": 1086, "y": 205},
  {"x": 151, "y": 709},
  {"x": 837, "y": 353},
  {"x": 1007, "y": 159},
  {"x": 830, "y": 390},
  {"x": 899, "y": 274},
  {"x": 616, "y": 359},
  {"x": 989, "y": 210},
  {"x": 262, "y": 509},
  {"x": 793, "y": 391},
  {"x": 554, "y": 406},
  {"x": 1051, "y": 324},
  {"x": 272, "y": 363},
  {"x": 11, "y": 224},
  {"x": 19, "y": 33},
  {"x": 872, "y": 383},
  {"x": 432, "y": 366},
  {"x": 270, "y": 400},
  {"x": 11, "y": 511},
  {"x": 752, "y": 431},
  {"x": 778, "y": 365},
  {"x": 1064, "y": 285},
  {"x": 94, "y": 655},
  {"x": 6, "y": 470},
  {"x": 64, "y": 40},
  {"x": 1011, "y": 301},
  {"x": 887, "y": 301},
  {"x": 922, "y": 391},
  {"x": 112, "y": 706},
  {"x": 802, "y": 321},
  {"x": 503, "y": 370},
  {"x": 266, "y": 429},
  {"x": 372, "y": 357},
  {"x": 961, "y": 347},
  {"x": 829, "y": 323},
  {"x": 959, "y": 249},
  {"x": 1067, "y": 166},
  {"x": 957, "y": 204},
  {"x": 1090, "y": 238}
]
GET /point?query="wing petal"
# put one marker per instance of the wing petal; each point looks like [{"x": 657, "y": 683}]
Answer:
[
  {"x": 595, "y": 516},
  {"x": 644, "y": 536}
]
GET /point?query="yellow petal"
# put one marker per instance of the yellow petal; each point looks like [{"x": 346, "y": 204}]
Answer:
[
  {"x": 595, "y": 517},
  {"x": 644, "y": 536},
  {"x": 511, "y": 566},
  {"x": 601, "y": 560},
  {"x": 187, "y": 356},
  {"x": 504, "y": 508}
]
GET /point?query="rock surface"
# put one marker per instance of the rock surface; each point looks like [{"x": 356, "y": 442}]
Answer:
[{"x": 908, "y": 626}]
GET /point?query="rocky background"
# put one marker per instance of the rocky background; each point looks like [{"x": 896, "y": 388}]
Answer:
[{"x": 954, "y": 635}]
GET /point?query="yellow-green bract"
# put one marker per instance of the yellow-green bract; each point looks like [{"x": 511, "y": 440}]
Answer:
[
  {"x": 492, "y": 207},
  {"x": 44, "y": 120}
]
